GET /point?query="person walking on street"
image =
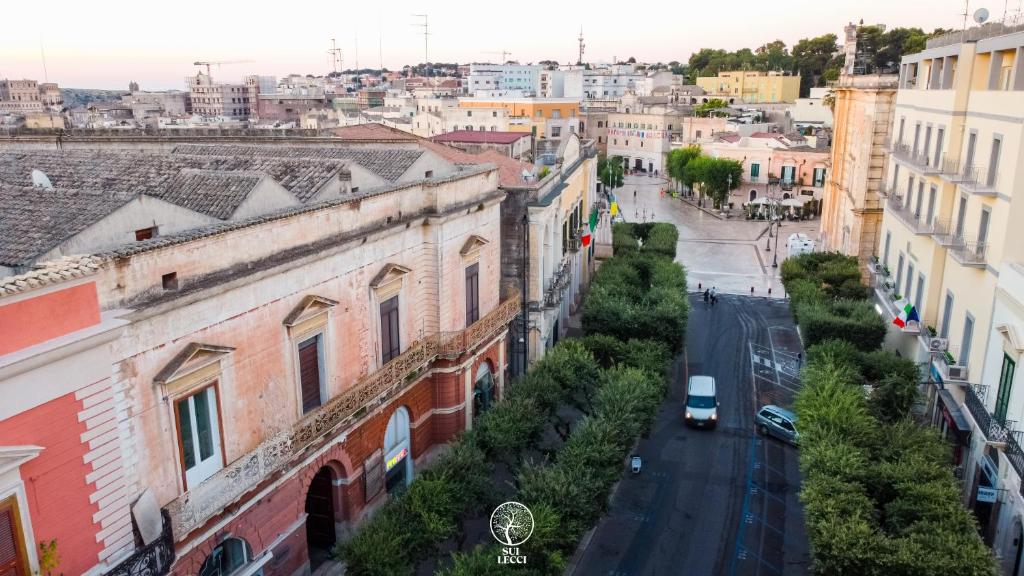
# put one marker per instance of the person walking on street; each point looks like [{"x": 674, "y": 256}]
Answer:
[
  {"x": 634, "y": 193},
  {"x": 707, "y": 297}
]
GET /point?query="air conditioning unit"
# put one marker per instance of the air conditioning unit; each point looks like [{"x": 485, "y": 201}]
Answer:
[
  {"x": 958, "y": 373},
  {"x": 938, "y": 344}
]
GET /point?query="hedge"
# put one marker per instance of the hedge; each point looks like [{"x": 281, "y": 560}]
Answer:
[
  {"x": 879, "y": 497},
  {"x": 615, "y": 376},
  {"x": 852, "y": 320}
]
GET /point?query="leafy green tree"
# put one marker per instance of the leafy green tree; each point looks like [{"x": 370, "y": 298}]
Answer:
[
  {"x": 678, "y": 159},
  {"x": 773, "y": 56},
  {"x": 610, "y": 170},
  {"x": 811, "y": 57},
  {"x": 717, "y": 177},
  {"x": 706, "y": 109}
]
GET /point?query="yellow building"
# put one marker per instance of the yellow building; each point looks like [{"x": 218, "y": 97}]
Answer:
[
  {"x": 552, "y": 117},
  {"x": 955, "y": 186},
  {"x": 752, "y": 87}
]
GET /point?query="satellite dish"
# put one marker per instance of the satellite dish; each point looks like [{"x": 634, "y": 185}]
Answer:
[
  {"x": 40, "y": 180},
  {"x": 981, "y": 15}
]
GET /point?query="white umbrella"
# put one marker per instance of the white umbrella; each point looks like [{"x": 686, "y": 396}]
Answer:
[
  {"x": 795, "y": 202},
  {"x": 759, "y": 201}
]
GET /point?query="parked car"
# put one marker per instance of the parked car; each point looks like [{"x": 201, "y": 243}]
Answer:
[
  {"x": 777, "y": 421},
  {"x": 701, "y": 402}
]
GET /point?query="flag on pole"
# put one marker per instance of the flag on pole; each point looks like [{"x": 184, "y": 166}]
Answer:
[
  {"x": 586, "y": 238},
  {"x": 908, "y": 313},
  {"x": 615, "y": 207},
  {"x": 593, "y": 220}
]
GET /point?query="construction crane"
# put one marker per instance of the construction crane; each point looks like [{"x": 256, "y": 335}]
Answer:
[
  {"x": 208, "y": 64},
  {"x": 504, "y": 54}
]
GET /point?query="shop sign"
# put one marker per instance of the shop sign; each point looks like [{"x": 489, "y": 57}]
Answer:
[
  {"x": 395, "y": 459},
  {"x": 986, "y": 494}
]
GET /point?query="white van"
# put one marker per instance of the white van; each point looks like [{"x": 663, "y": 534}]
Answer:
[{"x": 701, "y": 402}]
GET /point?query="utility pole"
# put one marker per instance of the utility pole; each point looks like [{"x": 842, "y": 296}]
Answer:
[{"x": 335, "y": 53}]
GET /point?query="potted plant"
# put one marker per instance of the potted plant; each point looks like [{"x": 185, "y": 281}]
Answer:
[
  {"x": 948, "y": 358},
  {"x": 931, "y": 331},
  {"x": 885, "y": 269},
  {"x": 895, "y": 296}
]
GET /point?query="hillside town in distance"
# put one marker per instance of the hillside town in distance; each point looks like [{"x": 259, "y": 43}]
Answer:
[{"x": 750, "y": 312}]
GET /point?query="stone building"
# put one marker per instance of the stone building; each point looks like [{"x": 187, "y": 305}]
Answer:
[
  {"x": 270, "y": 395},
  {"x": 20, "y": 96},
  {"x": 852, "y": 209},
  {"x": 229, "y": 101}
]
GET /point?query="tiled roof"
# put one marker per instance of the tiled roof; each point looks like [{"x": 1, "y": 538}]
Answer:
[
  {"x": 151, "y": 173},
  {"x": 388, "y": 163},
  {"x": 52, "y": 272},
  {"x": 36, "y": 220},
  {"x": 218, "y": 194},
  {"x": 372, "y": 132},
  {"x": 480, "y": 137},
  {"x": 510, "y": 170}
]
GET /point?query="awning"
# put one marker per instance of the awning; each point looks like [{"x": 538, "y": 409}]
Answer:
[{"x": 950, "y": 407}]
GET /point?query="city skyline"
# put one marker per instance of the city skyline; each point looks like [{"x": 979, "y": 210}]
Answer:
[{"x": 158, "y": 60}]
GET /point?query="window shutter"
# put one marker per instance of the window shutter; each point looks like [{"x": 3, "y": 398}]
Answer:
[
  {"x": 309, "y": 374},
  {"x": 10, "y": 557},
  {"x": 472, "y": 294},
  {"x": 389, "y": 330}
]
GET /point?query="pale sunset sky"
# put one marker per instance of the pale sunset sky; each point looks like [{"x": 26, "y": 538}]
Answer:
[{"x": 105, "y": 45}]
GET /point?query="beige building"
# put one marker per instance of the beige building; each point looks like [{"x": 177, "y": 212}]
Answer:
[
  {"x": 20, "y": 96},
  {"x": 751, "y": 87},
  {"x": 643, "y": 139},
  {"x": 231, "y": 101},
  {"x": 852, "y": 208}
]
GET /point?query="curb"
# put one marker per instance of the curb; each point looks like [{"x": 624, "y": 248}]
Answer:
[{"x": 704, "y": 210}]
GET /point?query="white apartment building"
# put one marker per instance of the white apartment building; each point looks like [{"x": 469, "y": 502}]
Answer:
[
  {"x": 223, "y": 101},
  {"x": 811, "y": 112},
  {"x": 503, "y": 78},
  {"x": 951, "y": 244}
]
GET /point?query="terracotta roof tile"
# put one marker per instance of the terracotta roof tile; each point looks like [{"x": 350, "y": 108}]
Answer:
[
  {"x": 481, "y": 137},
  {"x": 53, "y": 272}
]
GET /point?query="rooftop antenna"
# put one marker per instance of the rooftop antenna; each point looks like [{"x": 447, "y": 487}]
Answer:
[
  {"x": 380, "y": 42},
  {"x": 46, "y": 76},
  {"x": 580, "y": 60},
  {"x": 981, "y": 15},
  {"x": 967, "y": 12},
  {"x": 357, "y": 52},
  {"x": 335, "y": 53},
  {"x": 426, "y": 35}
]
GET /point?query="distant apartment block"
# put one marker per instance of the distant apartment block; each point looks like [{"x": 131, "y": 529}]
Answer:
[
  {"x": 513, "y": 78},
  {"x": 230, "y": 101},
  {"x": 21, "y": 96},
  {"x": 752, "y": 87}
]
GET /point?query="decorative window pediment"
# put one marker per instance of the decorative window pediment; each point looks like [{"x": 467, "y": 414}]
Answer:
[
  {"x": 473, "y": 245},
  {"x": 310, "y": 307},
  {"x": 1012, "y": 337},
  {"x": 11, "y": 457},
  {"x": 192, "y": 365},
  {"x": 388, "y": 274}
]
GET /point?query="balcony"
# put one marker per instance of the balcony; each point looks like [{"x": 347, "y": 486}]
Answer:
[
  {"x": 996, "y": 432},
  {"x": 153, "y": 559},
  {"x": 886, "y": 294},
  {"x": 194, "y": 508},
  {"x": 978, "y": 181},
  {"x": 559, "y": 282},
  {"x": 885, "y": 190},
  {"x": 895, "y": 205},
  {"x": 944, "y": 233},
  {"x": 950, "y": 367},
  {"x": 915, "y": 158},
  {"x": 970, "y": 254}
]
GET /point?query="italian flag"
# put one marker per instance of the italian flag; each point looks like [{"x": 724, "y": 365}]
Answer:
[
  {"x": 908, "y": 313},
  {"x": 587, "y": 230}
]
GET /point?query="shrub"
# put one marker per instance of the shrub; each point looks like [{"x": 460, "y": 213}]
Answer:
[
  {"x": 662, "y": 238},
  {"x": 623, "y": 240},
  {"x": 607, "y": 350},
  {"x": 856, "y": 321},
  {"x": 381, "y": 547},
  {"x": 511, "y": 425},
  {"x": 893, "y": 397}
]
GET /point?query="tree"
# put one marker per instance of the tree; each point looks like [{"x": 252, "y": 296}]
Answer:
[
  {"x": 705, "y": 109},
  {"x": 773, "y": 56},
  {"x": 631, "y": 60},
  {"x": 610, "y": 171},
  {"x": 811, "y": 56},
  {"x": 717, "y": 177},
  {"x": 678, "y": 159}
]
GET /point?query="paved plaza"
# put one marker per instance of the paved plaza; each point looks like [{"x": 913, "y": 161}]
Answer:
[{"x": 729, "y": 254}]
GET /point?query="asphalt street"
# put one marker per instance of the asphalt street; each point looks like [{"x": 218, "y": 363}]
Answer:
[{"x": 720, "y": 501}]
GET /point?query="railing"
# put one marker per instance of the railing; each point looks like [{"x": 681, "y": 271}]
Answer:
[
  {"x": 201, "y": 502},
  {"x": 951, "y": 366},
  {"x": 885, "y": 190},
  {"x": 979, "y": 180},
  {"x": 153, "y": 559},
  {"x": 944, "y": 233},
  {"x": 974, "y": 399},
  {"x": 900, "y": 150},
  {"x": 970, "y": 253},
  {"x": 950, "y": 167},
  {"x": 559, "y": 282},
  {"x": 913, "y": 221}
]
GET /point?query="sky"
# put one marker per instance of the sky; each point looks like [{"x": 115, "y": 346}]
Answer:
[{"x": 155, "y": 43}]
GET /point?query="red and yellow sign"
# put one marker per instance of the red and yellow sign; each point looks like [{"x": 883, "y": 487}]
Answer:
[{"x": 396, "y": 459}]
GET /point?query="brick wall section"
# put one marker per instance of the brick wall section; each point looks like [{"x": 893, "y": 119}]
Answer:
[
  {"x": 271, "y": 517},
  {"x": 55, "y": 484}
]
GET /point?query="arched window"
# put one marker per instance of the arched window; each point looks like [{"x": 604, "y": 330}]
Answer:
[
  {"x": 753, "y": 195},
  {"x": 397, "y": 448},
  {"x": 227, "y": 558}
]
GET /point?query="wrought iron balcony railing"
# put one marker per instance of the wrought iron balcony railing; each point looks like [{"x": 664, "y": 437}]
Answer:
[
  {"x": 974, "y": 399},
  {"x": 895, "y": 204},
  {"x": 559, "y": 282},
  {"x": 203, "y": 501},
  {"x": 970, "y": 253},
  {"x": 153, "y": 559},
  {"x": 979, "y": 180}
]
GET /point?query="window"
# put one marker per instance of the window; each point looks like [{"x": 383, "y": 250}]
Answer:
[
  {"x": 428, "y": 174},
  {"x": 947, "y": 315},
  {"x": 993, "y": 162},
  {"x": 755, "y": 170},
  {"x": 1005, "y": 384},
  {"x": 169, "y": 281},
  {"x": 919, "y": 295},
  {"x": 556, "y": 131},
  {"x": 311, "y": 373},
  {"x": 920, "y": 199},
  {"x": 389, "y": 330},
  {"x": 199, "y": 435},
  {"x": 885, "y": 255},
  {"x": 939, "y": 135},
  {"x": 227, "y": 558},
  {"x": 145, "y": 233},
  {"x": 917, "y": 138},
  {"x": 910, "y": 281},
  {"x": 965, "y": 345},
  {"x": 986, "y": 214},
  {"x": 469, "y": 113},
  {"x": 972, "y": 141},
  {"x": 932, "y": 193},
  {"x": 903, "y": 122},
  {"x": 819, "y": 177},
  {"x": 13, "y": 555},
  {"x": 472, "y": 294},
  {"x": 899, "y": 272},
  {"x": 927, "y": 141},
  {"x": 961, "y": 215}
]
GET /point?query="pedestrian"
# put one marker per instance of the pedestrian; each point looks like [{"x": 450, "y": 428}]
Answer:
[
  {"x": 800, "y": 358},
  {"x": 707, "y": 297},
  {"x": 714, "y": 300},
  {"x": 634, "y": 193}
]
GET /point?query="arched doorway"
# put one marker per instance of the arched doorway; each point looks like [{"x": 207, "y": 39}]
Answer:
[
  {"x": 397, "y": 452},
  {"x": 320, "y": 534},
  {"x": 786, "y": 196},
  {"x": 483, "y": 390},
  {"x": 1018, "y": 546},
  {"x": 753, "y": 195}
]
